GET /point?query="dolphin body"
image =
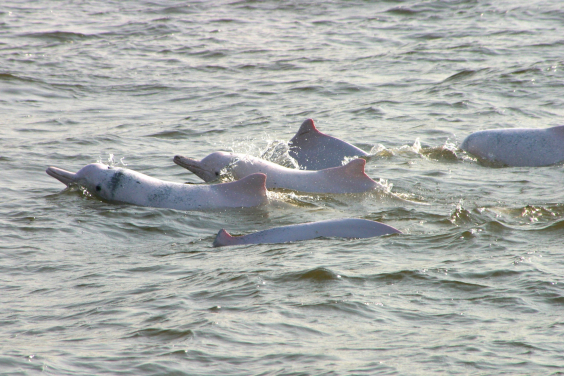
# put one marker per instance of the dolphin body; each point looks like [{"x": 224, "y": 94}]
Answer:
[
  {"x": 127, "y": 186},
  {"x": 342, "y": 228},
  {"x": 314, "y": 150},
  {"x": 349, "y": 178},
  {"x": 518, "y": 147}
]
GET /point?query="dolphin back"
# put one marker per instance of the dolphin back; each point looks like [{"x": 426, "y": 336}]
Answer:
[
  {"x": 341, "y": 228},
  {"x": 518, "y": 147},
  {"x": 314, "y": 150}
]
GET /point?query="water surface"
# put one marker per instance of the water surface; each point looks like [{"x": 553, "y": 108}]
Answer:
[{"x": 473, "y": 286}]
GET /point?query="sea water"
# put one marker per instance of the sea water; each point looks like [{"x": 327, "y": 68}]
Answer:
[{"x": 474, "y": 285}]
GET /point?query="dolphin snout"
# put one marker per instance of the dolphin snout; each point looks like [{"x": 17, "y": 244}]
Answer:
[
  {"x": 188, "y": 163},
  {"x": 64, "y": 176},
  {"x": 194, "y": 166}
]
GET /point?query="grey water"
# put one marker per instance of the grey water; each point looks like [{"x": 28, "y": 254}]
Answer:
[{"x": 474, "y": 285}]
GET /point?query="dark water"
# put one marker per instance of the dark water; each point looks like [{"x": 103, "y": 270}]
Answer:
[{"x": 473, "y": 286}]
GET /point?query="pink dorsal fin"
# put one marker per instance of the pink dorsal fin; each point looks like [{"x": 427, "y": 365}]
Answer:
[
  {"x": 254, "y": 181},
  {"x": 351, "y": 177},
  {"x": 249, "y": 191},
  {"x": 355, "y": 168},
  {"x": 307, "y": 127},
  {"x": 223, "y": 238}
]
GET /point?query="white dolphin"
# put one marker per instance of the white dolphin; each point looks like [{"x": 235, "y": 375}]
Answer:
[
  {"x": 127, "y": 186},
  {"x": 518, "y": 147},
  {"x": 314, "y": 150},
  {"x": 349, "y": 178},
  {"x": 342, "y": 228}
]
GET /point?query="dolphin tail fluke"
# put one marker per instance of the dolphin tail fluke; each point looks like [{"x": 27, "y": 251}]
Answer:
[{"x": 224, "y": 238}]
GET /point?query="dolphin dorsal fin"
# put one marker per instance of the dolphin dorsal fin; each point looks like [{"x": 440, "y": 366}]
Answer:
[
  {"x": 251, "y": 189},
  {"x": 307, "y": 129},
  {"x": 351, "y": 177},
  {"x": 307, "y": 126},
  {"x": 355, "y": 168},
  {"x": 223, "y": 238},
  {"x": 253, "y": 182}
]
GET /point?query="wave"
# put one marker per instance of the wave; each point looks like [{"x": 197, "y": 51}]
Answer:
[
  {"x": 62, "y": 36},
  {"x": 448, "y": 152},
  {"x": 157, "y": 334},
  {"x": 320, "y": 274}
]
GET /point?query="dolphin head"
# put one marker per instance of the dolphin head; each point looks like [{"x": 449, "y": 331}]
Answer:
[
  {"x": 209, "y": 168},
  {"x": 92, "y": 176},
  {"x": 480, "y": 144},
  {"x": 466, "y": 143}
]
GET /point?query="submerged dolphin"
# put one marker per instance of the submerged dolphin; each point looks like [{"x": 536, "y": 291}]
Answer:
[
  {"x": 349, "y": 178},
  {"x": 518, "y": 147},
  {"x": 127, "y": 186},
  {"x": 342, "y": 228},
  {"x": 314, "y": 150}
]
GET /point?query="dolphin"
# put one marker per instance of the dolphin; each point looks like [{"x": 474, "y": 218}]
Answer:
[
  {"x": 349, "y": 178},
  {"x": 314, "y": 150},
  {"x": 128, "y": 186},
  {"x": 342, "y": 228},
  {"x": 518, "y": 147}
]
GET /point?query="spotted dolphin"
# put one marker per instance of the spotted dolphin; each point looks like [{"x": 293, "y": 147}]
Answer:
[
  {"x": 128, "y": 186},
  {"x": 340, "y": 228},
  {"x": 349, "y": 178},
  {"x": 518, "y": 147},
  {"x": 314, "y": 150}
]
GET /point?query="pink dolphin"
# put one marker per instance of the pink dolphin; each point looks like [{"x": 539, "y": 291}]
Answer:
[
  {"x": 341, "y": 228},
  {"x": 127, "y": 186}
]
